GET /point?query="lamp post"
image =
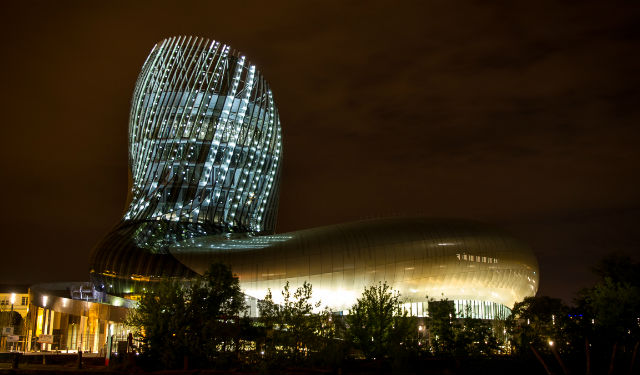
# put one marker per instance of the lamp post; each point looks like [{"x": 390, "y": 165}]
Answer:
[{"x": 13, "y": 300}]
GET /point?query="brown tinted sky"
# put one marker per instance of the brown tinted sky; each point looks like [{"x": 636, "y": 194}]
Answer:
[{"x": 524, "y": 115}]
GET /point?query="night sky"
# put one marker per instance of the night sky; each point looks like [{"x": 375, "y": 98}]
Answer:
[{"x": 526, "y": 116}]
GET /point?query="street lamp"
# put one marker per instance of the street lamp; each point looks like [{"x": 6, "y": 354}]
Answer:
[{"x": 13, "y": 300}]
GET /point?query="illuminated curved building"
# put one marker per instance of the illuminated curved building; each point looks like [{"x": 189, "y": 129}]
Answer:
[
  {"x": 474, "y": 265},
  {"x": 205, "y": 152}
]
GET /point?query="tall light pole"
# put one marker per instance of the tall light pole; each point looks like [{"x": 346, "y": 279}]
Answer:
[{"x": 13, "y": 300}]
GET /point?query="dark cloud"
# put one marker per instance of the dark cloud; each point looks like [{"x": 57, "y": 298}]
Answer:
[{"x": 520, "y": 114}]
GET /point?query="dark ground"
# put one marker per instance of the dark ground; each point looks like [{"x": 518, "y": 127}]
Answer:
[{"x": 67, "y": 364}]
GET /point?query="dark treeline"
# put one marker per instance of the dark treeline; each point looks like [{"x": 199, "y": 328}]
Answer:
[{"x": 202, "y": 324}]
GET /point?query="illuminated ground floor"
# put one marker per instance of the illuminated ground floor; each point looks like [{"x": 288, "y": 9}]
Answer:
[
  {"x": 66, "y": 317},
  {"x": 72, "y": 317}
]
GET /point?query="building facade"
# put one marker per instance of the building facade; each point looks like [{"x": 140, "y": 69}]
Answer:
[
  {"x": 14, "y": 310},
  {"x": 205, "y": 152},
  {"x": 482, "y": 269},
  {"x": 14, "y": 298}
]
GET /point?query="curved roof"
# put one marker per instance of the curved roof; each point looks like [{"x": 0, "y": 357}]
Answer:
[{"x": 419, "y": 257}]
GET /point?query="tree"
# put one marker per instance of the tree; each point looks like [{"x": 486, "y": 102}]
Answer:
[
  {"x": 475, "y": 337},
  {"x": 160, "y": 324},
  {"x": 215, "y": 303},
  {"x": 539, "y": 324},
  {"x": 538, "y": 321},
  {"x": 614, "y": 301},
  {"x": 187, "y": 323},
  {"x": 293, "y": 326},
  {"x": 300, "y": 323},
  {"x": 612, "y": 306},
  {"x": 442, "y": 326},
  {"x": 376, "y": 323}
]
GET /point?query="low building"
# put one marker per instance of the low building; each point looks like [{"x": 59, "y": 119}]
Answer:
[
  {"x": 15, "y": 298},
  {"x": 14, "y": 310},
  {"x": 72, "y": 316}
]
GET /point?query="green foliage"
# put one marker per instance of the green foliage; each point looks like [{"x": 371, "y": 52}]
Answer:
[
  {"x": 199, "y": 320},
  {"x": 159, "y": 323},
  {"x": 292, "y": 328},
  {"x": 604, "y": 320},
  {"x": 614, "y": 301},
  {"x": 442, "y": 326},
  {"x": 377, "y": 325},
  {"x": 196, "y": 321},
  {"x": 215, "y": 303},
  {"x": 619, "y": 268},
  {"x": 475, "y": 337},
  {"x": 538, "y": 321}
]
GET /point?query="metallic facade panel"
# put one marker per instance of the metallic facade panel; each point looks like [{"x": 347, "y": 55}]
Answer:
[{"x": 421, "y": 258}]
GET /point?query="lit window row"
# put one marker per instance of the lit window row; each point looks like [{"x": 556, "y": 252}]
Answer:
[{"x": 476, "y": 258}]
